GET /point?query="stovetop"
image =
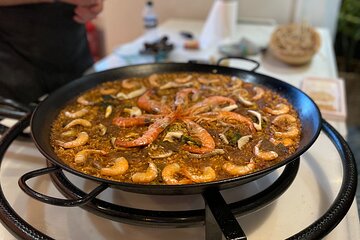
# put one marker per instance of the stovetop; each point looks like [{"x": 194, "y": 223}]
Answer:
[{"x": 310, "y": 195}]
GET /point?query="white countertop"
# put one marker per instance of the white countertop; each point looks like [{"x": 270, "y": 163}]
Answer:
[
  {"x": 322, "y": 65},
  {"x": 312, "y": 192}
]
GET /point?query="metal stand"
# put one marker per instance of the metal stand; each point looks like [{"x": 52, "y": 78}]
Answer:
[{"x": 218, "y": 220}]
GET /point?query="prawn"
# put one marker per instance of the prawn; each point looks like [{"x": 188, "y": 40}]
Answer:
[
  {"x": 144, "y": 102},
  {"x": 210, "y": 103},
  {"x": 280, "y": 108},
  {"x": 207, "y": 175},
  {"x": 79, "y": 121},
  {"x": 76, "y": 114},
  {"x": 134, "y": 121},
  {"x": 83, "y": 101},
  {"x": 286, "y": 141},
  {"x": 149, "y": 136},
  {"x": 231, "y": 116},
  {"x": 291, "y": 132},
  {"x": 133, "y": 94},
  {"x": 120, "y": 166},
  {"x": 207, "y": 142},
  {"x": 259, "y": 93},
  {"x": 286, "y": 121},
  {"x": 145, "y": 177},
  {"x": 265, "y": 155},
  {"x": 82, "y": 156},
  {"x": 169, "y": 175},
  {"x": 182, "y": 96},
  {"x": 239, "y": 170},
  {"x": 80, "y": 140}
]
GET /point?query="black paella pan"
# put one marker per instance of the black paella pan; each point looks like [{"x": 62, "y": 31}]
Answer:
[{"x": 47, "y": 111}]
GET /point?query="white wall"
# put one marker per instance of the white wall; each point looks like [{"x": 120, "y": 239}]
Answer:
[
  {"x": 322, "y": 13},
  {"x": 121, "y": 20}
]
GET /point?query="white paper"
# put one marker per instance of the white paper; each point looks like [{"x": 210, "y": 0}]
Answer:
[{"x": 220, "y": 23}]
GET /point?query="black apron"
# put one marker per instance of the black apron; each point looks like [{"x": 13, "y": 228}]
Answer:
[{"x": 41, "y": 49}]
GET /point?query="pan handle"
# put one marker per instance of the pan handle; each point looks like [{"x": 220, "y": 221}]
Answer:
[
  {"x": 257, "y": 64},
  {"x": 52, "y": 200}
]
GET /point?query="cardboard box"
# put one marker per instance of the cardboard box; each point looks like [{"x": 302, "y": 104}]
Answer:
[{"x": 329, "y": 95}]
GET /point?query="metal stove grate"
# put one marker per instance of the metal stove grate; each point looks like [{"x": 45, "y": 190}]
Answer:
[{"x": 216, "y": 213}]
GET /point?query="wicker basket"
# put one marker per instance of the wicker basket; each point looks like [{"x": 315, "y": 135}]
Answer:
[{"x": 294, "y": 44}]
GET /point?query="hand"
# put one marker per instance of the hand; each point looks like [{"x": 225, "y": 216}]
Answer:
[
  {"x": 85, "y": 9},
  {"x": 84, "y": 13}
]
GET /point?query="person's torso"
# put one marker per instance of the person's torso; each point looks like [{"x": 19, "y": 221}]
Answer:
[{"x": 46, "y": 34}]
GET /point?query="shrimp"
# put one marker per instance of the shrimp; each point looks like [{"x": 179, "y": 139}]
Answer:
[
  {"x": 231, "y": 116},
  {"x": 207, "y": 175},
  {"x": 152, "y": 106},
  {"x": 182, "y": 98},
  {"x": 130, "y": 83},
  {"x": 135, "y": 121},
  {"x": 285, "y": 119},
  {"x": 77, "y": 114},
  {"x": 209, "y": 104},
  {"x": 287, "y": 122},
  {"x": 145, "y": 177},
  {"x": 259, "y": 93},
  {"x": 265, "y": 155},
  {"x": 133, "y": 94},
  {"x": 280, "y": 108},
  {"x": 286, "y": 141},
  {"x": 80, "y": 140},
  {"x": 184, "y": 79},
  {"x": 83, "y": 101},
  {"x": 170, "y": 172},
  {"x": 239, "y": 170},
  {"x": 120, "y": 166},
  {"x": 102, "y": 129},
  {"x": 291, "y": 132},
  {"x": 149, "y": 136},
  {"x": 82, "y": 156},
  {"x": 207, "y": 142},
  {"x": 79, "y": 121}
]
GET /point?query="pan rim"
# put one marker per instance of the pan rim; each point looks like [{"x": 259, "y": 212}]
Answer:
[{"x": 165, "y": 189}]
